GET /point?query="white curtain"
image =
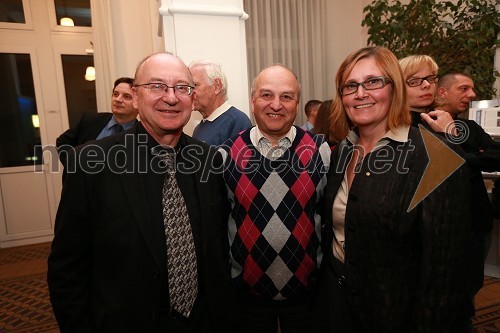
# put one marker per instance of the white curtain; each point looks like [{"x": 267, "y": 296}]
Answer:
[
  {"x": 293, "y": 33},
  {"x": 104, "y": 60}
]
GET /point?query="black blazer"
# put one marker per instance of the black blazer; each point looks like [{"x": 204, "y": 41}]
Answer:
[
  {"x": 482, "y": 153},
  {"x": 404, "y": 270},
  {"x": 107, "y": 267},
  {"x": 87, "y": 129}
]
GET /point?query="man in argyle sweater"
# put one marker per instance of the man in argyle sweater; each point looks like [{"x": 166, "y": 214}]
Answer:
[{"x": 275, "y": 174}]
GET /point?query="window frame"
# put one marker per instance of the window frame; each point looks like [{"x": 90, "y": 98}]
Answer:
[
  {"x": 55, "y": 27},
  {"x": 27, "y": 16}
]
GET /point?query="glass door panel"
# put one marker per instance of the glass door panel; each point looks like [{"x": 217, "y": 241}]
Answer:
[
  {"x": 19, "y": 124},
  {"x": 73, "y": 13},
  {"x": 11, "y": 11},
  {"x": 80, "y": 93}
]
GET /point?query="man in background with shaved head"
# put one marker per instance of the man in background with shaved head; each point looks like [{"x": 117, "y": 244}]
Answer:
[{"x": 482, "y": 153}]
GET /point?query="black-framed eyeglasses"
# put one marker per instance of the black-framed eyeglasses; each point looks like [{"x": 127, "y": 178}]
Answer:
[
  {"x": 373, "y": 83},
  {"x": 417, "y": 81},
  {"x": 159, "y": 89}
]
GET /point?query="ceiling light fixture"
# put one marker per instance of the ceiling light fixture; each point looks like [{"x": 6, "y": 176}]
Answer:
[
  {"x": 67, "y": 22},
  {"x": 90, "y": 73}
]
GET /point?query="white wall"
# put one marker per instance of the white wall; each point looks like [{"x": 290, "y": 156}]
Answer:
[
  {"x": 135, "y": 29},
  {"x": 214, "y": 30},
  {"x": 346, "y": 34}
]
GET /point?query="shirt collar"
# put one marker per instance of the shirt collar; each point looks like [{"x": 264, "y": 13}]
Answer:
[
  {"x": 399, "y": 134},
  {"x": 126, "y": 126},
  {"x": 219, "y": 111},
  {"x": 309, "y": 126},
  {"x": 256, "y": 135},
  {"x": 112, "y": 122},
  {"x": 419, "y": 110}
]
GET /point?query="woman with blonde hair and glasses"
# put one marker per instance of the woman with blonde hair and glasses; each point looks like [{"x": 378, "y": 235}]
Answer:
[
  {"x": 420, "y": 73},
  {"x": 393, "y": 258}
]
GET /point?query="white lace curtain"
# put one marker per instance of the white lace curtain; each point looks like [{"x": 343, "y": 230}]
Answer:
[{"x": 293, "y": 33}]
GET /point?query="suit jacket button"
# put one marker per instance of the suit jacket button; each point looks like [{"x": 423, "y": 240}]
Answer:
[{"x": 153, "y": 316}]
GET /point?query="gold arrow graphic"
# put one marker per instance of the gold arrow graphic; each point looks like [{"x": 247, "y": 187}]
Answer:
[{"x": 443, "y": 162}]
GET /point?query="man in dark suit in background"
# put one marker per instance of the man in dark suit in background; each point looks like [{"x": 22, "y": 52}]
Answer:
[
  {"x": 110, "y": 266},
  {"x": 482, "y": 153},
  {"x": 99, "y": 125}
]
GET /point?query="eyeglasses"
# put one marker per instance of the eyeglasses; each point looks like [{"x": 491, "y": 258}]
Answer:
[
  {"x": 373, "y": 83},
  {"x": 159, "y": 89},
  {"x": 417, "y": 81}
]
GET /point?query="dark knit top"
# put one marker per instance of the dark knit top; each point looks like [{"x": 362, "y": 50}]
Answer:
[{"x": 274, "y": 226}]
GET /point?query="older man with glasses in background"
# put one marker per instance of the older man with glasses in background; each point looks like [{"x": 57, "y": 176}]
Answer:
[{"x": 221, "y": 120}]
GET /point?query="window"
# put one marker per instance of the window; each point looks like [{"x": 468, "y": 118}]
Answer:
[
  {"x": 80, "y": 93},
  {"x": 11, "y": 11},
  {"x": 19, "y": 125},
  {"x": 73, "y": 13}
]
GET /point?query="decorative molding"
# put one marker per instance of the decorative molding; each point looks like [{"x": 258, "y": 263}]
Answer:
[{"x": 176, "y": 8}]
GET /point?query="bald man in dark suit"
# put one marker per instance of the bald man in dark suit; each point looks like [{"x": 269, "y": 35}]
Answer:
[{"x": 110, "y": 264}]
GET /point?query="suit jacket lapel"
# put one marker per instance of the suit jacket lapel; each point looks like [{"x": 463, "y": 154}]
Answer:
[
  {"x": 133, "y": 184},
  {"x": 93, "y": 126},
  {"x": 201, "y": 191}
]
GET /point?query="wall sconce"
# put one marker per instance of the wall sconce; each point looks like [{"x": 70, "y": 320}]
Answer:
[
  {"x": 35, "y": 120},
  {"x": 67, "y": 22},
  {"x": 90, "y": 73}
]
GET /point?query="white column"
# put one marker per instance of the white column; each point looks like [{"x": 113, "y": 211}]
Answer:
[{"x": 214, "y": 30}]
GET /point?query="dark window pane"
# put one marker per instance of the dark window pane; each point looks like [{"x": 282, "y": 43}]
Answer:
[
  {"x": 80, "y": 93},
  {"x": 12, "y": 11},
  {"x": 19, "y": 133},
  {"x": 77, "y": 10}
]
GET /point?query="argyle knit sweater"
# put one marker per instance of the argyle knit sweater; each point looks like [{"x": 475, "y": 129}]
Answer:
[{"x": 274, "y": 225}]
